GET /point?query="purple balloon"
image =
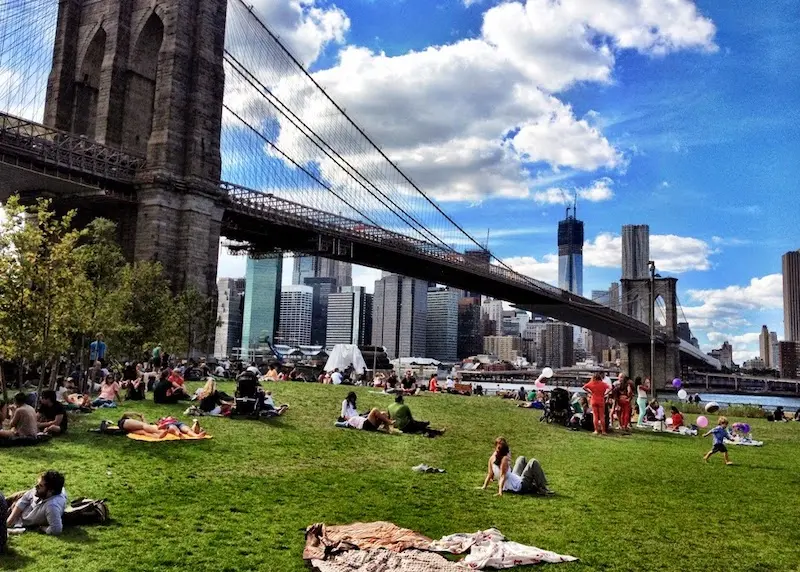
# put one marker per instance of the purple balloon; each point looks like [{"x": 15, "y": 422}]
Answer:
[
  {"x": 745, "y": 428},
  {"x": 676, "y": 383}
]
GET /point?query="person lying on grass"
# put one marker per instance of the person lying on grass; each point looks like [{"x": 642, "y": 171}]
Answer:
[
  {"x": 526, "y": 478},
  {"x": 212, "y": 401},
  {"x": 52, "y": 414},
  {"x": 375, "y": 420},
  {"x": 400, "y": 414},
  {"x": 41, "y": 507},
  {"x": 131, "y": 422},
  {"x": 175, "y": 427},
  {"x": 23, "y": 420},
  {"x": 269, "y": 404}
]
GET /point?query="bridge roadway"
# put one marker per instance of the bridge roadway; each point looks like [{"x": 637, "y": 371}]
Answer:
[{"x": 35, "y": 159}]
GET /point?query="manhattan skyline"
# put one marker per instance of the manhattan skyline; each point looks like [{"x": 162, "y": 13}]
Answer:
[{"x": 681, "y": 118}]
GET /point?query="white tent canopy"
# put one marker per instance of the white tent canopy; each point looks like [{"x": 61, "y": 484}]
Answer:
[{"x": 342, "y": 355}]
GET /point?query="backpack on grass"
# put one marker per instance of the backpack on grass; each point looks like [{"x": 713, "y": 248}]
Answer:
[{"x": 83, "y": 511}]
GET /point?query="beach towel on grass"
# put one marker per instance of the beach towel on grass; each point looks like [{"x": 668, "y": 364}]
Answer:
[
  {"x": 150, "y": 438},
  {"x": 323, "y": 540},
  {"x": 490, "y": 549},
  {"x": 387, "y": 561},
  {"x": 746, "y": 442}
]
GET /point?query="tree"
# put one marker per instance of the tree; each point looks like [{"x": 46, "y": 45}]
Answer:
[
  {"x": 40, "y": 282},
  {"x": 102, "y": 263},
  {"x": 195, "y": 320},
  {"x": 145, "y": 308}
]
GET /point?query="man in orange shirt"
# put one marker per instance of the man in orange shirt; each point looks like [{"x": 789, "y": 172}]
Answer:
[{"x": 597, "y": 390}]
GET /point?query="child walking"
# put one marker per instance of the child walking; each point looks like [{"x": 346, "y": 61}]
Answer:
[{"x": 719, "y": 432}]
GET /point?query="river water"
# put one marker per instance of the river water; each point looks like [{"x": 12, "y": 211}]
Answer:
[{"x": 766, "y": 401}]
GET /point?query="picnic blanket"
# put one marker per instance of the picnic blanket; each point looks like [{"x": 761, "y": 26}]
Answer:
[
  {"x": 150, "y": 438},
  {"x": 490, "y": 549},
  {"x": 387, "y": 561},
  {"x": 746, "y": 442},
  {"x": 322, "y": 540}
]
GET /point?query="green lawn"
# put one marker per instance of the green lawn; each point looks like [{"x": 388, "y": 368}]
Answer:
[{"x": 242, "y": 500}]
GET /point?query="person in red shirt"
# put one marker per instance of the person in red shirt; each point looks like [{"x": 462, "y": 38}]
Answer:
[
  {"x": 433, "y": 384},
  {"x": 597, "y": 390},
  {"x": 677, "y": 418}
]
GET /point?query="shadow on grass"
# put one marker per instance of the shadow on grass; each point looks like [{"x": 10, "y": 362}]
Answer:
[
  {"x": 13, "y": 560},
  {"x": 77, "y": 535}
]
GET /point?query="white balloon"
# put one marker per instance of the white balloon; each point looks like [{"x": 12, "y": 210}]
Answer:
[
  {"x": 682, "y": 394},
  {"x": 547, "y": 372}
]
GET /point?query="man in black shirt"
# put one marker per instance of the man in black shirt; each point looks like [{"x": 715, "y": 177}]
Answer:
[{"x": 52, "y": 415}]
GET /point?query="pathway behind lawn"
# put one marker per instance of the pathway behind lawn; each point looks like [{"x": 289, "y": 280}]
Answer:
[{"x": 242, "y": 500}]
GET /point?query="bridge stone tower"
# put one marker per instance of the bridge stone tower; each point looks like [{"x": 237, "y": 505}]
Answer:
[
  {"x": 636, "y": 357},
  {"x": 146, "y": 76}
]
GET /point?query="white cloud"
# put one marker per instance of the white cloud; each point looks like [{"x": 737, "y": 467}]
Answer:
[
  {"x": 671, "y": 253},
  {"x": 600, "y": 190},
  {"x": 466, "y": 120},
  {"x": 722, "y": 308},
  {"x": 303, "y": 26},
  {"x": 545, "y": 269},
  {"x": 730, "y": 241}
]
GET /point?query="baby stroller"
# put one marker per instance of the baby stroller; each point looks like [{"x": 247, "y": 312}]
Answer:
[
  {"x": 249, "y": 397},
  {"x": 557, "y": 409}
]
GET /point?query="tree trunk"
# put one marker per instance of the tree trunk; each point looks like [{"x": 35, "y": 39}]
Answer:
[{"x": 3, "y": 383}]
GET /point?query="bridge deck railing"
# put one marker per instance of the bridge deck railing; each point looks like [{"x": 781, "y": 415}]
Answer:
[{"x": 67, "y": 150}]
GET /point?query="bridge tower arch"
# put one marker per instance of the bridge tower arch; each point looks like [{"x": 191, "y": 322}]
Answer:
[
  {"x": 635, "y": 358},
  {"x": 146, "y": 76}
]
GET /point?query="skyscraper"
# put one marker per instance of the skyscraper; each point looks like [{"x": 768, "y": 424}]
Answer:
[
  {"x": 570, "y": 253},
  {"x": 318, "y": 267},
  {"x": 442, "y": 324},
  {"x": 230, "y": 308},
  {"x": 262, "y": 300},
  {"x": 470, "y": 334},
  {"x": 399, "y": 316},
  {"x": 296, "y": 312},
  {"x": 635, "y": 251},
  {"x": 492, "y": 312},
  {"x": 791, "y": 296},
  {"x": 774, "y": 350},
  {"x": 322, "y": 288},
  {"x": 349, "y": 317},
  {"x": 558, "y": 345},
  {"x": 764, "y": 346}
]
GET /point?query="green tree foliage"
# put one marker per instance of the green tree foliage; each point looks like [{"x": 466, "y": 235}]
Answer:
[
  {"x": 192, "y": 330},
  {"x": 40, "y": 283}
]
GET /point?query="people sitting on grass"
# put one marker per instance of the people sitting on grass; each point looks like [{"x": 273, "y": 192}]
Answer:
[
  {"x": 23, "y": 420},
  {"x": 677, "y": 418},
  {"x": 40, "y": 508},
  {"x": 400, "y": 414},
  {"x": 135, "y": 389},
  {"x": 433, "y": 383},
  {"x": 409, "y": 382},
  {"x": 269, "y": 405},
  {"x": 109, "y": 393},
  {"x": 654, "y": 412},
  {"x": 166, "y": 391},
  {"x": 779, "y": 415},
  {"x": 349, "y": 407},
  {"x": 211, "y": 401},
  {"x": 52, "y": 414},
  {"x": 527, "y": 477}
]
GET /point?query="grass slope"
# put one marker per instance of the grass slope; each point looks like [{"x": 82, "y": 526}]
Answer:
[{"x": 242, "y": 500}]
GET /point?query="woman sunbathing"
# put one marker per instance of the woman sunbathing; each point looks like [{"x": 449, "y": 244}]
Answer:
[
  {"x": 178, "y": 428},
  {"x": 131, "y": 422},
  {"x": 373, "y": 421}
]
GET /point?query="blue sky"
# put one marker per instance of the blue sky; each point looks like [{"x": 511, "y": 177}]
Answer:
[{"x": 680, "y": 115}]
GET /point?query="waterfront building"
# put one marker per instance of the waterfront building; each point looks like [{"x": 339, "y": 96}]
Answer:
[
  {"x": 322, "y": 289},
  {"x": 470, "y": 333},
  {"x": 789, "y": 359},
  {"x": 319, "y": 267},
  {"x": 492, "y": 312},
  {"x": 262, "y": 299},
  {"x": 230, "y": 311},
  {"x": 558, "y": 345},
  {"x": 442, "y": 324},
  {"x": 764, "y": 347},
  {"x": 774, "y": 357},
  {"x": 506, "y": 348},
  {"x": 296, "y": 313},
  {"x": 399, "y": 312},
  {"x": 349, "y": 317},
  {"x": 791, "y": 296}
]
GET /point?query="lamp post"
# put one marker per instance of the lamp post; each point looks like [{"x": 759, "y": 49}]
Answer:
[{"x": 652, "y": 266}]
